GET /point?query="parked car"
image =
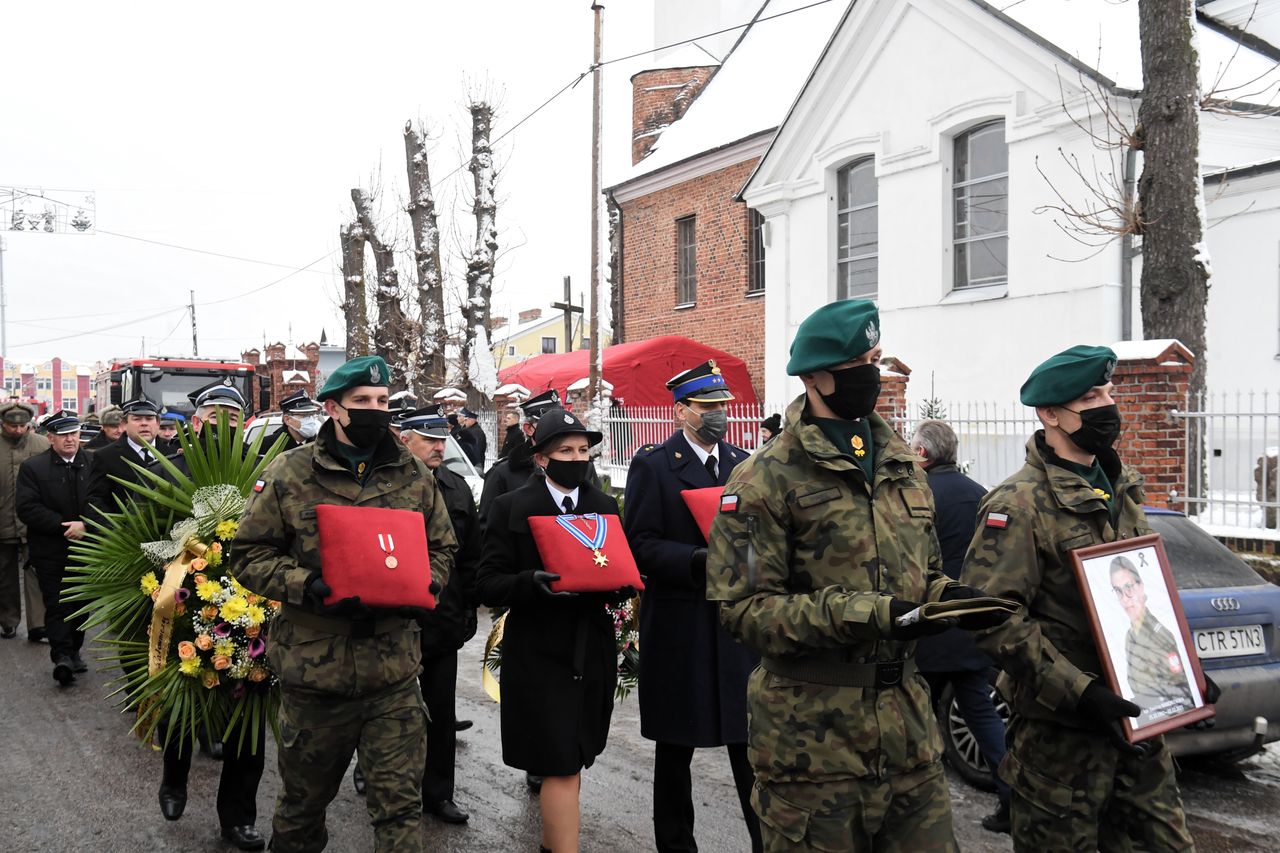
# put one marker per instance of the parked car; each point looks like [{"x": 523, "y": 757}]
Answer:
[
  {"x": 273, "y": 422},
  {"x": 1234, "y": 618}
]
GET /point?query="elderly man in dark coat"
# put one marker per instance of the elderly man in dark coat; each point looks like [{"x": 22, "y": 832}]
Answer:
[{"x": 693, "y": 675}]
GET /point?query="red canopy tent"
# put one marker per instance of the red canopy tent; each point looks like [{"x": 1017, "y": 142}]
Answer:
[{"x": 638, "y": 370}]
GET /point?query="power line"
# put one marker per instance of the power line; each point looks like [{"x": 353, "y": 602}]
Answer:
[
  {"x": 197, "y": 251},
  {"x": 103, "y": 329}
]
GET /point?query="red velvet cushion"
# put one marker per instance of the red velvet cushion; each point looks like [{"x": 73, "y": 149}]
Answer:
[
  {"x": 575, "y": 562},
  {"x": 704, "y": 504},
  {"x": 377, "y": 554}
]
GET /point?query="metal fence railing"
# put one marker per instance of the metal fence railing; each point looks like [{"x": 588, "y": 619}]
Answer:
[
  {"x": 1233, "y": 440},
  {"x": 992, "y": 437}
]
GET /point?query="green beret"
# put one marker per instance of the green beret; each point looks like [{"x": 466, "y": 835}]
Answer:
[
  {"x": 1068, "y": 375},
  {"x": 358, "y": 372},
  {"x": 834, "y": 334}
]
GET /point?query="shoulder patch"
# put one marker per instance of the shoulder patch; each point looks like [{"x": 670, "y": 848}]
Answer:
[
  {"x": 997, "y": 520},
  {"x": 728, "y": 503},
  {"x": 259, "y": 486}
]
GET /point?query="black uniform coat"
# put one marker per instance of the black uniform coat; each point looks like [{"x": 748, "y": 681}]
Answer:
[
  {"x": 453, "y": 622},
  {"x": 513, "y": 439},
  {"x": 559, "y": 659},
  {"x": 51, "y": 491},
  {"x": 507, "y": 475},
  {"x": 474, "y": 443},
  {"x": 956, "y": 499},
  {"x": 693, "y": 675},
  {"x": 113, "y": 461}
]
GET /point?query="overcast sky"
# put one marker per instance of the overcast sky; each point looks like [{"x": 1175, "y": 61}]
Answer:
[{"x": 240, "y": 128}]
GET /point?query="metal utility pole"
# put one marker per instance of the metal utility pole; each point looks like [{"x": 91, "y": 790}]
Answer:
[
  {"x": 569, "y": 310},
  {"x": 195, "y": 344},
  {"x": 4, "y": 325},
  {"x": 593, "y": 374}
]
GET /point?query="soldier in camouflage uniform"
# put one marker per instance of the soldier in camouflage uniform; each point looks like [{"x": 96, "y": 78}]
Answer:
[
  {"x": 1077, "y": 783},
  {"x": 823, "y": 541},
  {"x": 349, "y": 676},
  {"x": 1156, "y": 676}
]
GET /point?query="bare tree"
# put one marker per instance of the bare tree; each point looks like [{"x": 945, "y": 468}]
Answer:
[
  {"x": 434, "y": 337},
  {"x": 353, "y": 306},
  {"x": 477, "y": 356},
  {"x": 390, "y": 334},
  {"x": 1175, "y": 264}
]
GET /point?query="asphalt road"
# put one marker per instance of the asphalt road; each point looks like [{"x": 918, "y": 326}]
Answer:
[{"x": 75, "y": 780}]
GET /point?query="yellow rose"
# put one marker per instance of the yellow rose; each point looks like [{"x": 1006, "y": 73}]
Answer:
[
  {"x": 221, "y": 662},
  {"x": 204, "y": 642},
  {"x": 234, "y": 607},
  {"x": 209, "y": 679},
  {"x": 149, "y": 583},
  {"x": 190, "y": 667},
  {"x": 226, "y": 529},
  {"x": 256, "y": 614},
  {"x": 208, "y": 590},
  {"x": 186, "y": 650}
]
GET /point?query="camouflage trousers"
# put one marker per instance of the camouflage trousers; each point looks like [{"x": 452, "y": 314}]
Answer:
[
  {"x": 1073, "y": 790},
  {"x": 906, "y": 813},
  {"x": 318, "y": 734}
]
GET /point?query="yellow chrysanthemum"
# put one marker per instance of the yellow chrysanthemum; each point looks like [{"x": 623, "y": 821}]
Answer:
[
  {"x": 234, "y": 607},
  {"x": 208, "y": 590},
  {"x": 149, "y": 583},
  {"x": 190, "y": 667},
  {"x": 224, "y": 647},
  {"x": 226, "y": 529},
  {"x": 256, "y": 614},
  {"x": 214, "y": 558}
]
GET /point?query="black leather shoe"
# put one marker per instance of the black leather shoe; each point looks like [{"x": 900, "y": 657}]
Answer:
[
  {"x": 998, "y": 821},
  {"x": 37, "y": 635},
  {"x": 173, "y": 802},
  {"x": 462, "y": 725},
  {"x": 8, "y": 633},
  {"x": 63, "y": 672},
  {"x": 534, "y": 782},
  {"x": 78, "y": 664},
  {"x": 244, "y": 837},
  {"x": 357, "y": 779},
  {"x": 447, "y": 811}
]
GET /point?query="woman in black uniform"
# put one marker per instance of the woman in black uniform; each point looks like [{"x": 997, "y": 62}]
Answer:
[{"x": 559, "y": 660}]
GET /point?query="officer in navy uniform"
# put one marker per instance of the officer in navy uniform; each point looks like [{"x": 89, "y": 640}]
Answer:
[
  {"x": 693, "y": 675},
  {"x": 141, "y": 427},
  {"x": 513, "y": 471},
  {"x": 302, "y": 419},
  {"x": 472, "y": 439}
]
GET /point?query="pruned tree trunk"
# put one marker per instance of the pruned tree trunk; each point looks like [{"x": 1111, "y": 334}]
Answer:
[
  {"x": 353, "y": 306},
  {"x": 391, "y": 333},
  {"x": 1175, "y": 262},
  {"x": 434, "y": 334},
  {"x": 477, "y": 356},
  {"x": 615, "y": 270}
]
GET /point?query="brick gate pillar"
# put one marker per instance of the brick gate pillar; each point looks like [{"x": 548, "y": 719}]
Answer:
[
  {"x": 1152, "y": 379},
  {"x": 892, "y": 405}
]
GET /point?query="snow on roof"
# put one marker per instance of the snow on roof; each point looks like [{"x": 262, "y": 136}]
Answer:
[
  {"x": 581, "y": 384},
  {"x": 1261, "y": 18},
  {"x": 82, "y": 370},
  {"x": 289, "y": 377},
  {"x": 1103, "y": 35},
  {"x": 511, "y": 389},
  {"x": 449, "y": 394},
  {"x": 753, "y": 89},
  {"x": 504, "y": 333},
  {"x": 292, "y": 353}
]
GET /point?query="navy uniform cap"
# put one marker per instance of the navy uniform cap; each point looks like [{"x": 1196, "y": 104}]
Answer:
[
  {"x": 557, "y": 422},
  {"x": 536, "y": 407},
  {"x": 170, "y": 417},
  {"x": 701, "y": 384},
  {"x": 62, "y": 422},
  {"x": 429, "y": 422},
  {"x": 464, "y": 412},
  {"x": 299, "y": 403},
  {"x": 143, "y": 407},
  {"x": 217, "y": 395},
  {"x": 1068, "y": 375}
]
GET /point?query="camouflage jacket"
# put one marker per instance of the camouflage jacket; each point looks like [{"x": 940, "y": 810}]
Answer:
[
  {"x": 12, "y": 455},
  {"x": 1027, "y": 526},
  {"x": 277, "y": 547},
  {"x": 805, "y": 557}
]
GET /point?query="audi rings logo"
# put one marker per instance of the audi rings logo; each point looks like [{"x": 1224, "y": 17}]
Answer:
[{"x": 1224, "y": 605}]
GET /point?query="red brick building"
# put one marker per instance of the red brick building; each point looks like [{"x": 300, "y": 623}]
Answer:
[{"x": 291, "y": 368}]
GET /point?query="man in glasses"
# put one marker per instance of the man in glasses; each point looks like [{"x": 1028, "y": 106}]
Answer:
[{"x": 1156, "y": 674}]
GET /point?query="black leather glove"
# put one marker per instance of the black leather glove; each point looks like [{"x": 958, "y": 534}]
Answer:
[
  {"x": 620, "y": 596},
  {"x": 316, "y": 590},
  {"x": 698, "y": 568},
  {"x": 542, "y": 581},
  {"x": 1212, "y": 693},
  {"x": 1104, "y": 709},
  {"x": 917, "y": 629},
  {"x": 958, "y": 591}
]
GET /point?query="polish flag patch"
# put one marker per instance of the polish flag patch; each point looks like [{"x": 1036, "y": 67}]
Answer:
[
  {"x": 998, "y": 520},
  {"x": 1175, "y": 663},
  {"x": 729, "y": 503},
  {"x": 259, "y": 486}
]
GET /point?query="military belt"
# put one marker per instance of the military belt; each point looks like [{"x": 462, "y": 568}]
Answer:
[
  {"x": 881, "y": 675},
  {"x": 356, "y": 628}
]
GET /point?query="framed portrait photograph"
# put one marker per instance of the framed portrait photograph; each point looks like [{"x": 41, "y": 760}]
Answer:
[{"x": 1141, "y": 633}]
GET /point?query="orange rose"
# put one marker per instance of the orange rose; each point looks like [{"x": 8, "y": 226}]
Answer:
[
  {"x": 186, "y": 650},
  {"x": 200, "y": 578},
  {"x": 204, "y": 642},
  {"x": 179, "y": 609},
  {"x": 216, "y": 546},
  {"x": 209, "y": 612},
  {"x": 209, "y": 679},
  {"x": 199, "y": 564},
  {"x": 257, "y": 674},
  {"x": 252, "y": 631},
  {"x": 221, "y": 661},
  {"x": 253, "y": 599}
]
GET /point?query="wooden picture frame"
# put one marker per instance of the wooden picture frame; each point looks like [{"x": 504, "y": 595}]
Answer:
[{"x": 1127, "y": 587}]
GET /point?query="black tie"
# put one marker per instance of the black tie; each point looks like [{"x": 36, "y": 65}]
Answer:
[
  {"x": 567, "y": 503},
  {"x": 711, "y": 467}
]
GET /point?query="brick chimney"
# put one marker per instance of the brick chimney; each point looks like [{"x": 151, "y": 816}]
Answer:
[
  {"x": 658, "y": 98},
  {"x": 531, "y": 314}
]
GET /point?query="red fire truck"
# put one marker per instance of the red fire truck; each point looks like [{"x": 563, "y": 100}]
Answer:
[{"x": 171, "y": 381}]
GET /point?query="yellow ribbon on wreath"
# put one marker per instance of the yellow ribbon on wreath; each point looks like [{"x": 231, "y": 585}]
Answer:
[
  {"x": 161, "y": 630},
  {"x": 487, "y": 678}
]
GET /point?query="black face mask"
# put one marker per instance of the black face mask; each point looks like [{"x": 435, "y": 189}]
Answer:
[
  {"x": 1099, "y": 429},
  {"x": 366, "y": 427},
  {"x": 856, "y": 391},
  {"x": 566, "y": 474}
]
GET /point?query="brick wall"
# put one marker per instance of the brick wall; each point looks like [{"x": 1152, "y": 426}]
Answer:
[
  {"x": 892, "y": 405},
  {"x": 723, "y": 316},
  {"x": 1154, "y": 442},
  {"x": 658, "y": 98}
]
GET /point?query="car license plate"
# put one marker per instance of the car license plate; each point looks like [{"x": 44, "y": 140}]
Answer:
[{"x": 1230, "y": 642}]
